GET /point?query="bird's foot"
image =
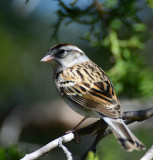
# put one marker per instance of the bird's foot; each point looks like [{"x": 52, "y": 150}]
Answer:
[{"x": 77, "y": 138}]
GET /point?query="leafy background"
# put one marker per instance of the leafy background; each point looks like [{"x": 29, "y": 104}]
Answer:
[{"x": 116, "y": 34}]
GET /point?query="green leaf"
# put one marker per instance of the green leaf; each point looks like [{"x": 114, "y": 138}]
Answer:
[
  {"x": 150, "y": 3},
  {"x": 92, "y": 156}
]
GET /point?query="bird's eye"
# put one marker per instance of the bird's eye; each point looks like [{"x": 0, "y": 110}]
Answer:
[{"x": 61, "y": 53}]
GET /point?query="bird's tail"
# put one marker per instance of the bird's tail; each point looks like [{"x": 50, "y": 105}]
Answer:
[{"x": 125, "y": 137}]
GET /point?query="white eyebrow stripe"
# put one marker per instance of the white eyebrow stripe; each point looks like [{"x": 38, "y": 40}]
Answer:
[{"x": 71, "y": 48}]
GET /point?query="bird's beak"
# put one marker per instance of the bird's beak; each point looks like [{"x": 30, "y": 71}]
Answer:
[{"x": 47, "y": 58}]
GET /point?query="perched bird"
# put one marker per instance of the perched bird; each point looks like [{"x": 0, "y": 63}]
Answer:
[{"x": 87, "y": 89}]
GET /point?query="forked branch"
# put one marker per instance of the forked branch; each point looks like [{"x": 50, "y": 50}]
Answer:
[{"x": 99, "y": 127}]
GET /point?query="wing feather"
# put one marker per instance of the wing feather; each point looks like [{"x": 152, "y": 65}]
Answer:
[{"x": 94, "y": 94}]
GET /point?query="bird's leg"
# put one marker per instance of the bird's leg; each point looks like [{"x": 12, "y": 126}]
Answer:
[
  {"x": 74, "y": 130},
  {"x": 76, "y": 127}
]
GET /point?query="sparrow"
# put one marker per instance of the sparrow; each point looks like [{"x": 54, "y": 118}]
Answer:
[{"x": 87, "y": 89}]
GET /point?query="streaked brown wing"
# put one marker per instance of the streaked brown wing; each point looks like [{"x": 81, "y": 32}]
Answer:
[{"x": 100, "y": 97}]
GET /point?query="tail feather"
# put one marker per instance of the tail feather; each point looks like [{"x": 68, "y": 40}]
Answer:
[{"x": 125, "y": 137}]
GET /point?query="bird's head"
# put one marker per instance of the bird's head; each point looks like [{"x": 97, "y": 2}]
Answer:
[{"x": 64, "y": 55}]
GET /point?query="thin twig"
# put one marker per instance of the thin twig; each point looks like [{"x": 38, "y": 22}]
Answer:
[
  {"x": 98, "y": 7},
  {"x": 66, "y": 151}
]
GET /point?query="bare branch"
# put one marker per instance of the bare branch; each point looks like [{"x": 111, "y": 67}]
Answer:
[
  {"x": 99, "y": 127},
  {"x": 48, "y": 147},
  {"x": 139, "y": 115}
]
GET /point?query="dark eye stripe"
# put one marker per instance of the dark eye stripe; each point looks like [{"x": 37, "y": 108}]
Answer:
[{"x": 60, "y": 53}]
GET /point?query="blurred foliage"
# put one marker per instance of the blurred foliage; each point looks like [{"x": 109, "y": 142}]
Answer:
[
  {"x": 10, "y": 153},
  {"x": 22, "y": 45},
  {"x": 114, "y": 27},
  {"x": 92, "y": 156},
  {"x": 150, "y": 3}
]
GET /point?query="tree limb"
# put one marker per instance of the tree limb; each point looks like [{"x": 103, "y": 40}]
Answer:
[
  {"x": 139, "y": 115},
  {"x": 99, "y": 127}
]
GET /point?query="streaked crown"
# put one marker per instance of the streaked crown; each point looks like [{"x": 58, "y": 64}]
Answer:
[{"x": 65, "y": 47}]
